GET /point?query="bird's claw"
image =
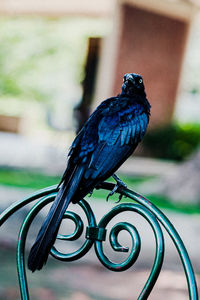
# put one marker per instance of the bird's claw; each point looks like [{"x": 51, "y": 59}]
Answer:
[
  {"x": 112, "y": 192},
  {"x": 120, "y": 183}
]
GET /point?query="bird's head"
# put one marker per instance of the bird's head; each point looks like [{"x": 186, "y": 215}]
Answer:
[{"x": 132, "y": 84}]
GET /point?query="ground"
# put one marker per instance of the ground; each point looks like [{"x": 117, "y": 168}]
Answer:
[{"x": 88, "y": 281}]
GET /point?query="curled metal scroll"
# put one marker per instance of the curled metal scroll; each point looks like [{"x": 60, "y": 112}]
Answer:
[{"x": 96, "y": 235}]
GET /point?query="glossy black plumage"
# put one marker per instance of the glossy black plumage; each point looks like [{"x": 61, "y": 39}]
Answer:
[{"x": 108, "y": 138}]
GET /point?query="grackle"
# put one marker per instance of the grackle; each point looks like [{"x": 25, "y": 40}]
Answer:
[{"x": 107, "y": 139}]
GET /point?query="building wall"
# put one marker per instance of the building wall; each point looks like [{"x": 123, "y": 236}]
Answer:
[
  {"x": 152, "y": 45},
  {"x": 95, "y": 8}
]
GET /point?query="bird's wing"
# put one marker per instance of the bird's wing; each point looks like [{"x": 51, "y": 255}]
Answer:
[
  {"x": 118, "y": 135},
  {"x": 128, "y": 125}
]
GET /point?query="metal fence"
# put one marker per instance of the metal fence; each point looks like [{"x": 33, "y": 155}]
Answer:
[{"x": 96, "y": 235}]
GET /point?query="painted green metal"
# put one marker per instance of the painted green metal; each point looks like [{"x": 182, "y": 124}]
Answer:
[{"x": 96, "y": 235}]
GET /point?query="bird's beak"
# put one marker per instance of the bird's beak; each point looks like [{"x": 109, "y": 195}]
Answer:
[{"x": 130, "y": 78}]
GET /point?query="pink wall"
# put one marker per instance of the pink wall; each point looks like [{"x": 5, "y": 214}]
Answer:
[{"x": 152, "y": 45}]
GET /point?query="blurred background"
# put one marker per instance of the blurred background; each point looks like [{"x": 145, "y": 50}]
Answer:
[{"x": 58, "y": 61}]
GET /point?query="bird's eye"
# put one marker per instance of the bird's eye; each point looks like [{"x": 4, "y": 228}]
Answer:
[{"x": 140, "y": 81}]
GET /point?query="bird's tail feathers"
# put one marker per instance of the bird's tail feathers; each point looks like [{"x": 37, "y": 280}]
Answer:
[{"x": 48, "y": 232}]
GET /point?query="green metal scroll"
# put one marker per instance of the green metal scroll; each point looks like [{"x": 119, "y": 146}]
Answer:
[{"x": 96, "y": 235}]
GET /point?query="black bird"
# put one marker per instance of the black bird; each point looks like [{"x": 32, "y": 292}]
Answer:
[{"x": 107, "y": 139}]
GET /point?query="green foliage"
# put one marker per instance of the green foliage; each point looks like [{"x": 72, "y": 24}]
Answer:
[
  {"x": 174, "y": 141},
  {"x": 165, "y": 203},
  {"x": 41, "y": 58},
  {"x": 26, "y": 178},
  {"x": 35, "y": 180}
]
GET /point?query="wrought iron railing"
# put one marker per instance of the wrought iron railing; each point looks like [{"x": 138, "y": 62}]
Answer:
[{"x": 96, "y": 235}]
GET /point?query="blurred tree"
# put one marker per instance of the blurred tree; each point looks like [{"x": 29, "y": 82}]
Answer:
[
  {"x": 82, "y": 110},
  {"x": 42, "y": 58}
]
